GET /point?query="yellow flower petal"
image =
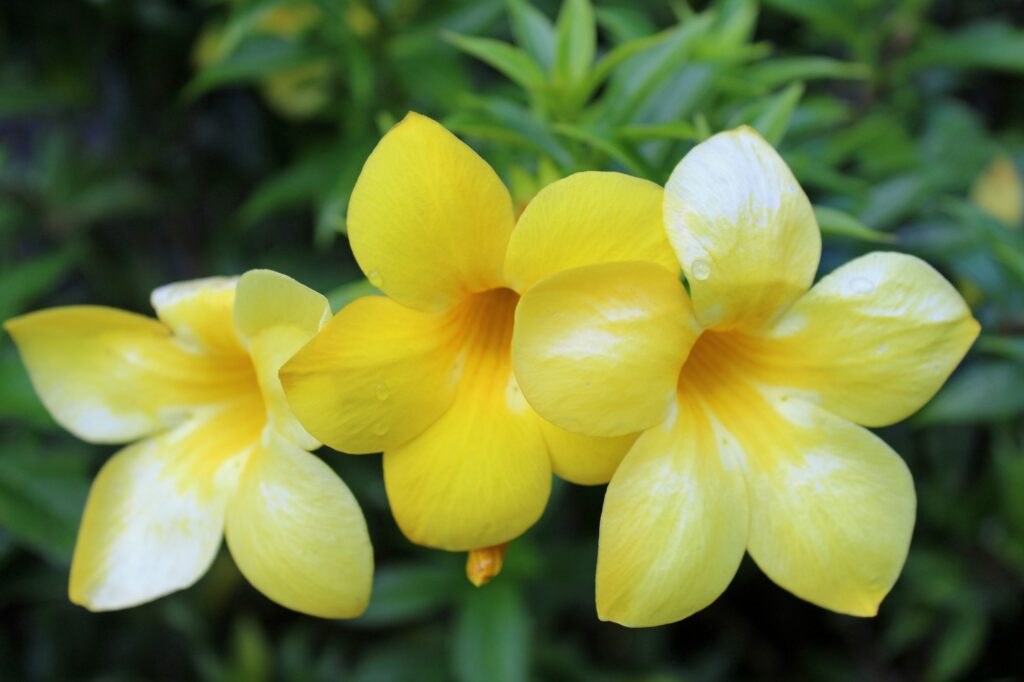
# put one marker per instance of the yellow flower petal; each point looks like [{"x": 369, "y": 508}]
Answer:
[
  {"x": 831, "y": 508},
  {"x": 999, "y": 192},
  {"x": 429, "y": 220},
  {"x": 584, "y": 460},
  {"x": 598, "y": 349},
  {"x": 377, "y": 375},
  {"x": 298, "y": 535},
  {"x": 588, "y": 218},
  {"x": 276, "y": 316},
  {"x": 674, "y": 526},
  {"x": 199, "y": 313},
  {"x": 742, "y": 228},
  {"x": 155, "y": 514},
  {"x": 874, "y": 340},
  {"x": 481, "y": 474},
  {"x": 108, "y": 376}
]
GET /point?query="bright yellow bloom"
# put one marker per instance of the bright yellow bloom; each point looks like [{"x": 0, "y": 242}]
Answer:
[
  {"x": 425, "y": 374},
  {"x": 748, "y": 392},
  {"x": 219, "y": 455},
  {"x": 999, "y": 192}
]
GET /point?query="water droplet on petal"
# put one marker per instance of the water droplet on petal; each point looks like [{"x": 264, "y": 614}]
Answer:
[
  {"x": 375, "y": 279},
  {"x": 861, "y": 285},
  {"x": 381, "y": 428},
  {"x": 700, "y": 269},
  {"x": 382, "y": 392}
]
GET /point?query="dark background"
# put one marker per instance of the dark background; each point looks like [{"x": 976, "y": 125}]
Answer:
[{"x": 148, "y": 141}]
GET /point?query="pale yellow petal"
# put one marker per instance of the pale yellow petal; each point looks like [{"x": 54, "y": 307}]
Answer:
[
  {"x": 874, "y": 340},
  {"x": 429, "y": 220},
  {"x": 584, "y": 460},
  {"x": 276, "y": 316},
  {"x": 155, "y": 515},
  {"x": 298, "y": 535},
  {"x": 377, "y": 375},
  {"x": 831, "y": 507},
  {"x": 674, "y": 525},
  {"x": 587, "y": 218},
  {"x": 110, "y": 376},
  {"x": 742, "y": 228},
  {"x": 200, "y": 313},
  {"x": 598, "y": 349}
]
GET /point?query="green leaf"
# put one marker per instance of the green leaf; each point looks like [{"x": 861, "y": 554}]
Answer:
[
  {"x": 346, "y": 293},
  {"x": 782, "y": 70},
  {"x": 773, "y": 121},
  {"x": 894, "y": 200},
  {"x": 639, "y": 77},
  {"x": 42, "y": 494},
  {"x": 404, "y": 593},
  {"x": 987, "y": 391},
  {"x": 623, "y": 24},
  {"x": 18, "y": 400},
  {"x": 988, "y": 45},
  {"x": 508, "y": 59},
  {"x": 1009, "y": 347},
  {"x": 530, "y": 129},
  {"x": 297, "y": 185},
  {"x": 606, "y": 142},
  {"x": 533, "y": 32},
  {"x": 23, "y": 283},
  {"x": 492, "y": 635},
  {"x": 255, "y": 59},
  {"x": 575, "y": 43},
  {"x": 608, "y": 63},
  {"x": 680, "y": 130},
  {"x": 837, "y": 223}
]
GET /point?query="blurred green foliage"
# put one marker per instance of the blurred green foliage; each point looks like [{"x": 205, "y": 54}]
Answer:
[{"x": 152, "y": 141}]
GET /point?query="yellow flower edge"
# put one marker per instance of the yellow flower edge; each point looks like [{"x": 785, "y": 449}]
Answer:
[
  {"x": 214, "y": 451},
  {"x": 759, "y": 446}
]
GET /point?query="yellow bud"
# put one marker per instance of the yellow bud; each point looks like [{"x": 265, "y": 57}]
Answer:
[
  {"x": 483, "y": 565},
  {"x": 998, "y": 191}
]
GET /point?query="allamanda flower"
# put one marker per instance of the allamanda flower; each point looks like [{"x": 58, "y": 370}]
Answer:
[
  {"x": 749, "y": 392},
  {"x": 424, "y": 374},
  {"x": 215, "y": 452}
]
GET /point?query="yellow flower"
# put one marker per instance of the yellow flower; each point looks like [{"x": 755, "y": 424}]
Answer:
[
  {"x": 999, "y": 192},
  {"x": 749, "y": 392},
  {"x": 424, "y": 374},
  {"x": 216, "y": 450}
]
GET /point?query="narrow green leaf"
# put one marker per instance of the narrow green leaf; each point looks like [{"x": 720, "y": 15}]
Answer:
[
  {"x": 508, "y": 59},
  {"x": 837, "y": 223},
  {"x": 986, "y": 391},
  {"x": 23, "y": 282},
  {"x": 782, "y": 70},
  {"x": 533, "y": 31},
  {"x": 988, "y": 45},
  {"x": 42, "y": 493},
  {"x": 608, "y": 63},
  {"x": 404, "y": 593},
  {"x": 255, "y": 59},
  {"x": 639, "y": 76},
  {"x": 774, "y": 120},
  {"x": 575, "y": 43},
  {"x": 492, "y": 635},
  {"x": 680, "y": 130},
  {"x": 607, "y": 143}
]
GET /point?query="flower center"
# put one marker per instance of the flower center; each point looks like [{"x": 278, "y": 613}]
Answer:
[{"x": 482, "y": 331}]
